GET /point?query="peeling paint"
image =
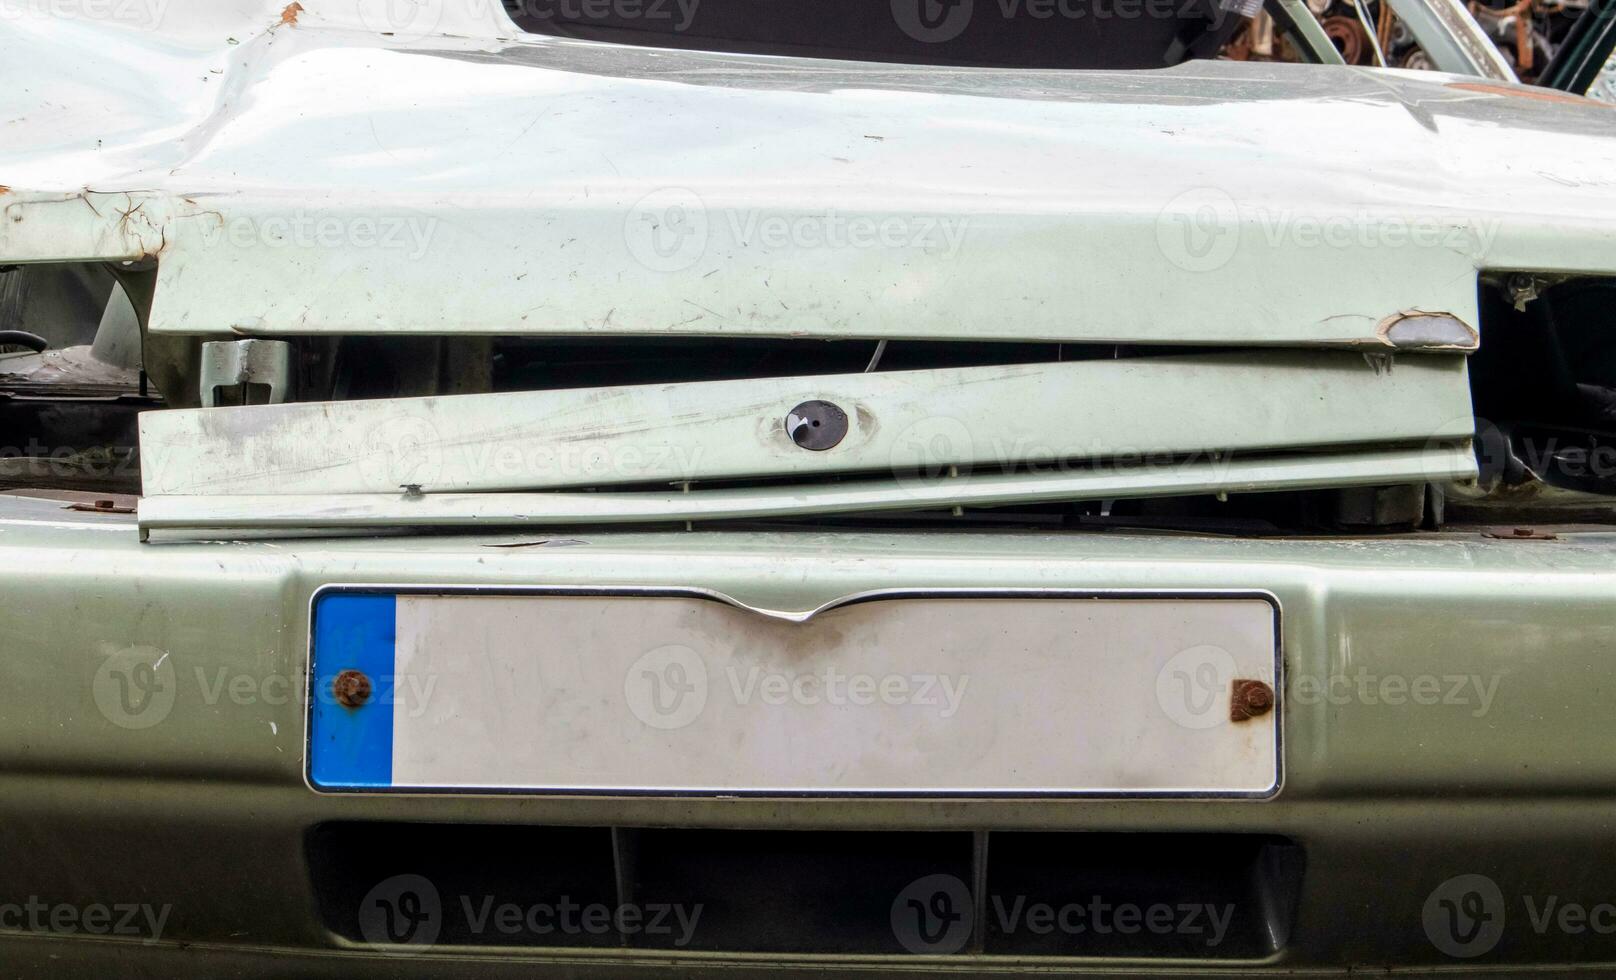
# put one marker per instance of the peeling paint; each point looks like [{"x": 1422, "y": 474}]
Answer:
[{"x": 1420, "y": 330}]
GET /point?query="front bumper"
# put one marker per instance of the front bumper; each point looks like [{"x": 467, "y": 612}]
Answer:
[{"x": 1395, "y": 784}]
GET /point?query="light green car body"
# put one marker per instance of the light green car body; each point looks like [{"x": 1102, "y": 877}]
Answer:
[
  {"x": 1392, "y": 786},
  {"x": 1445, "y": 697}
]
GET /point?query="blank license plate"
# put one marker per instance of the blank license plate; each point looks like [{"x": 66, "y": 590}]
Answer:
[{"x": 928, "y": 694}]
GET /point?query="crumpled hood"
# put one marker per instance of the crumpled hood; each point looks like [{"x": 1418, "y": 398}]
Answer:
[{"x": 315, "y": 169}]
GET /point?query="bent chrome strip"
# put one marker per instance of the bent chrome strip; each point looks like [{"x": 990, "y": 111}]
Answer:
[{"x": 1437, "y": 463}]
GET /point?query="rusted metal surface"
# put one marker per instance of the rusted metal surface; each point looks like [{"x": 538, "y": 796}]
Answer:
[
  {"x": 1348, "y": 35},
  {"x": 351, "y": 688},
  {"x": 104, "y": 505},
  {"x": 1250, "y": 699},
  {"x": 1522, "y": 534}
]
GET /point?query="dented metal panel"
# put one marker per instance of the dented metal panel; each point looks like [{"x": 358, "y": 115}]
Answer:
[
  {"x": 897, "y": 422},
  {"x": 282, "y": 512},
  {"x": 1418, "y": 330},
  {"x": 333, "y": 174}
]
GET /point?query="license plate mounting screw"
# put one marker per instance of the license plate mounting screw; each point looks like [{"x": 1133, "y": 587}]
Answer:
[
  {"x": 1250, "y": 698},
  {"x": 351, "y": 688}
]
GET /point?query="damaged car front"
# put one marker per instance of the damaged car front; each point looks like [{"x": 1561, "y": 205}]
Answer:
[{"x": 600, "y": 487}]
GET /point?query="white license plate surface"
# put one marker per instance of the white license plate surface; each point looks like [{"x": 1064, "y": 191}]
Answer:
[{"x": 936, "y": 695}]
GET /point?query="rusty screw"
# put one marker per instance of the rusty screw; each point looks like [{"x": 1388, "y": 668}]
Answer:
[
  {"x": 351, "y": 688},
  {"x": 1250, "y": 698}
]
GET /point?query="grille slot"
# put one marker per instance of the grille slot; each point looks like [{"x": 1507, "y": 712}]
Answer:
[
  {"x": 1150, "y": 896},
  {"x": 1187, "y": 896}
]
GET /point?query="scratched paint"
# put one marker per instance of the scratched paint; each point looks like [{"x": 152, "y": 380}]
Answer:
[{"x": 323, "y": 173}]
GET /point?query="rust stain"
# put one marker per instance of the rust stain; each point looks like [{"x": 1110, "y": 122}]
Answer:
[
  {"x": 351, "y": 688},
  {"x": 289, "y": 15},
  {"x": 867, "y": 423},
  {"x": 103, "y": 506},
  {"x": 1538, "y": 95},
  {"x": 1522, "y": 534},
  {"x": 4, "y": 189},
  {"x": 1250, "y": 698}
]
